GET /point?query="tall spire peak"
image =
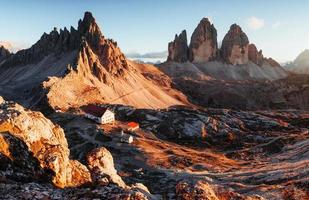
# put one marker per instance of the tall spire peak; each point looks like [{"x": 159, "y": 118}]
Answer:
[
  {"x": 89, "y": 25},
  {"x": 203, "y": 46}
]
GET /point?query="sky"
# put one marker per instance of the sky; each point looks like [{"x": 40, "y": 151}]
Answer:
[{"x": 279, "y": 28}]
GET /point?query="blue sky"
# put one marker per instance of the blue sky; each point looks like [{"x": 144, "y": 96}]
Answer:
[{"x": 280, "y": 28}]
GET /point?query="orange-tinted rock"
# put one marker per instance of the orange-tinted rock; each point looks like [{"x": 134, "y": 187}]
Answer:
[
  {"x": 34, "y": 142},
  {"x": 191, "y": 191},
  {"x": 203, "y": 46},
  {"x": 101, "y": 164}
]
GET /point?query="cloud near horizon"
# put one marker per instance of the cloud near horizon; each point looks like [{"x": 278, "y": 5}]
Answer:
[
  {"x": 255, "y": 23},
  {"x": 161, "y": 54}
]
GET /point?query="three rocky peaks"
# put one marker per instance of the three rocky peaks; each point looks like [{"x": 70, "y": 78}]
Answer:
[{"x": 203, "y": 47}]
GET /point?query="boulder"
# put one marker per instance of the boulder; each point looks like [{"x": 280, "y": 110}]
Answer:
[
  {"x": 195, "y": 190},
  {"x": 203, "y": 46},
  {"x": 101, "y": 164}
]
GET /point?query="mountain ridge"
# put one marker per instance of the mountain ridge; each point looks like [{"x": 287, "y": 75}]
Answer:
[
  {"x": 87, "y": 68},
  {"x": 235, "y": 49}
]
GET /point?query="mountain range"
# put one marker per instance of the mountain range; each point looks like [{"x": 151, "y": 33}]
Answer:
[
  {"x": 212, "y": 123},
  {"x": 82, "y": 66}
]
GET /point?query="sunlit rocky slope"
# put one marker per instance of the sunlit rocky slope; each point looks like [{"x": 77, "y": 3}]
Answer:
[{"x": 71, "y": 68}]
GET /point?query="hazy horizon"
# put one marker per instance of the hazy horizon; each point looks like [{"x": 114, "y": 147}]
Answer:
[{"x": 143, "y": 27}]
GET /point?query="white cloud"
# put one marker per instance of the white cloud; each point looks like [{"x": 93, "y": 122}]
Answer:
[
  {"x": 255, "y": 23},
  {"x": 276, "y": 25}
]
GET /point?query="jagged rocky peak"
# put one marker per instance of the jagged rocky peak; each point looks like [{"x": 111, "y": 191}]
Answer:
[
  {"x": 203, "y": 45},
  {"x": 4, "y": 53},
  {"x": 178, "y": 49},
  {"x": 57, "y": 42},
  {"x": 254, "y": 55},
  {"x": 235, "y": 46},
  {"x": 89, "y": 29}
]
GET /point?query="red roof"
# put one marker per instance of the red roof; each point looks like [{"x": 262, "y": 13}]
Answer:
[
  {"x": 133, "y": 124},
  {"x": 94, "y": 110}
]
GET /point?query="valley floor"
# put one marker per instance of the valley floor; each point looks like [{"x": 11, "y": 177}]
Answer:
[{"x": 251, "y": 153}]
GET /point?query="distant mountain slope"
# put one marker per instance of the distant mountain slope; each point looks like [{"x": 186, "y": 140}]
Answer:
[
  {"x": 76, "y": 67},
  {"x": 301, "y": 64},
  {"x": 223, "y": 71}
]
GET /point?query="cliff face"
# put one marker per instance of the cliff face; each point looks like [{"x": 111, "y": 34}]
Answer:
[
  {"x": 235, "y": 44},
  {"x": 254, "y": 55},
  {"x": 203, "y": 45},
  {"x": 178, "y": 49}
]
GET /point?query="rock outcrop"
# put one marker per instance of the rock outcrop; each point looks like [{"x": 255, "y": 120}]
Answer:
[
  {"x": 203, "y": 46},
  {"x": 32, "y": 142},
  {"x": 235, "y": 46},
  {"x": 178, "y": 49},
  {"x": 101, "y": 165}
]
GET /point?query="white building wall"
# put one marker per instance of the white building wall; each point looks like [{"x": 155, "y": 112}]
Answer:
[{"x": 108, "y": 117}]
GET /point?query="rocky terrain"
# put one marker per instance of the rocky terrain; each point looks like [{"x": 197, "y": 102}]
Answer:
[
  {"x": 221, "y": 152},
  {"x": 35, "y": 162}
]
